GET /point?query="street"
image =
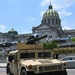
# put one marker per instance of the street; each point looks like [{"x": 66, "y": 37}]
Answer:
[
  {"x": 3, "y": 71},
  {"x": 69, "y": 71}
]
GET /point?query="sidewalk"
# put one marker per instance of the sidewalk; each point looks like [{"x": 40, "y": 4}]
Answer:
[{"x": 2, "y": 65}]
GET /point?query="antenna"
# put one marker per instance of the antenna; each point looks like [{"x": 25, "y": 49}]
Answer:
[{"x": 50, "y": 2}]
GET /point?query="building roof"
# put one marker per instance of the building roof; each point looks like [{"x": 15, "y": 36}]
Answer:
[
  {"x": 50, "y": 12},
  {"x": 12, "y": 31}
]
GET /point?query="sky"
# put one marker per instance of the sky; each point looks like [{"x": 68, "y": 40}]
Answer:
[{"x": 22, "y": 15}]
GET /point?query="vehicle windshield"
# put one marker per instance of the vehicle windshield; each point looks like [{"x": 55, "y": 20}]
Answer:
[
  {"x": 44, "y": 54},
  {"x": 27, "y": 55},
  {"x": 33, "y": 54},
  {"x": 68, "y": 58}
]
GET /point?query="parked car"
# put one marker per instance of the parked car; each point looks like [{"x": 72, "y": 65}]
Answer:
[{"x": 70, "y": 61}]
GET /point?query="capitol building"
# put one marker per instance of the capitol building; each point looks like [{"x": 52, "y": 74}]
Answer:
[{"x": 50, "y": 25}]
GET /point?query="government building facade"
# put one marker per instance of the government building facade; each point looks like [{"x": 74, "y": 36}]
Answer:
[
  {"x": 13, "y": 37},
  {"x": 51, "y": 25}
]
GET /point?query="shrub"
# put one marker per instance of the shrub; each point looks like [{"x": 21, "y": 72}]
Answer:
[
  {"x": 64, "y": 50},
  {"x": 50, "y": 45}
]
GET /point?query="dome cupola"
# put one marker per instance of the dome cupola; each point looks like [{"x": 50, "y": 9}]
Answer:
[
  {"x": 50, "y": 12},
  {"x": 13, "y": 32}
]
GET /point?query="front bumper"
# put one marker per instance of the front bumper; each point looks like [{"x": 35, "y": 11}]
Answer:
[
  {"x": 46, "y": 68},
  {"x": 64, "y": 72}
]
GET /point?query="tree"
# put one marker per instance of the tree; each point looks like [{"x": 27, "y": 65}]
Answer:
[
  {"x": 73, "y": 39},
  {"x": 50, "y": 45}
]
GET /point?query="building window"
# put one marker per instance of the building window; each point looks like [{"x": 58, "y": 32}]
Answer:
[
  {"x": 3, "y": 40},
  {"x": 3, "y": 37},
  {"x": 48, "y": 21},
  {"x": 52, "y": 13},
  {"x": 59, "y": 21},
  {"x": 56, "y": 21},
  {"x": 44, "y": 21},
  {"x": 53, "y": 21},
  {"x": 8, "y": 40},
  {"x": 50, "y": 36}
]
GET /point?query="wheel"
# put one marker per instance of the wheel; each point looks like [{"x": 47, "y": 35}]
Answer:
[
  {"x": 64, "y": 72},
  {"x": 23, "y": 72},
  {"x": 8, "y": 71}
]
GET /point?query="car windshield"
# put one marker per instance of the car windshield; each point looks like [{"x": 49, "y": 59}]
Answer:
[
  {"x": 44, "y": 54},
  {"x": 68, "y": 58},
  {"x": 27, "y": 55}
]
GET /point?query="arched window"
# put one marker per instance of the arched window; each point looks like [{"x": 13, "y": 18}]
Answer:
[
  {"x": 48, "y": 21},
  {"x": 59, "y": 21},
  {"x": 53, "y": 21},
  {"x": 56, "y": 21},
  {"x": 44, "y": 21}
]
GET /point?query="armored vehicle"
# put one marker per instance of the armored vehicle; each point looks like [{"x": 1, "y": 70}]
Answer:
[{"x": 31, "y": 59}]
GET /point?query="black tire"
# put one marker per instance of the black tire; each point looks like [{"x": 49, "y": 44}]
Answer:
[
  {"x": 64, "y": 72},
  {"x": 23, "y": 72},
  {"x": 8, "y": 71}
]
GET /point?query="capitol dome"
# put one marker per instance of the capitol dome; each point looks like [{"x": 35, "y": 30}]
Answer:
[
  {"x": 13, "y": 32},
  {"x": 50, "y": 12}
]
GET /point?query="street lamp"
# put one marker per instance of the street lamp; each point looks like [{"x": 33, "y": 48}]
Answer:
[
  {"x": 69, "y": 40},
  {"x": 46, "y": 39}
]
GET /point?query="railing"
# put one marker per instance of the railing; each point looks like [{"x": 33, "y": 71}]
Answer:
[{"x": 67, "y": 43}]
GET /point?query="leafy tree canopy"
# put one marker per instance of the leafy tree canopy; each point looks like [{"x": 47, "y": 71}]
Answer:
[{"x": 50, "y": 45}]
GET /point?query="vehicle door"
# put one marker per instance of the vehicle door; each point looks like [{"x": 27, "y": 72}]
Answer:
[{"x": 13, "y": 63}]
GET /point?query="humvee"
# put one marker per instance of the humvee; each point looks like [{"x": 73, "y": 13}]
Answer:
[{"x": 32, "y": 59}]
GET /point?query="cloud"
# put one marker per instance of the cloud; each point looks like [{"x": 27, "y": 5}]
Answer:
[
  {"x": 64, "y": 22},
  {"x": 45, "y": 2},
  {"x": 66, "y": 28},
  {"x": 42, "y": 13},
  {"x": 2, "y": 28},
  {"x": 32, "y": 19},
  {"x": 58, "y": 4},
  {"x": 65, "y": 13},
  {"x": 61, "y": 6}
]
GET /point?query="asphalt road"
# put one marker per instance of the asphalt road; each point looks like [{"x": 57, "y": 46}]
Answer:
[
  {"x": 3, "y": 71},
  {"x": 69, "y": 71}
]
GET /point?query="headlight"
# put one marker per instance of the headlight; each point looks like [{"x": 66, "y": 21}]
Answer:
[
  {"x": 29, "y": 66},
  {"x": 65, "y": 63}
]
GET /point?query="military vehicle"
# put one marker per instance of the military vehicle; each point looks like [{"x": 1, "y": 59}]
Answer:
[{"x": 31, "y": 59}]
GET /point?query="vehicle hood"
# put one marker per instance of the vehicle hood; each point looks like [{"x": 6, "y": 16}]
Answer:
[{"x": 40, "y": 61}]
